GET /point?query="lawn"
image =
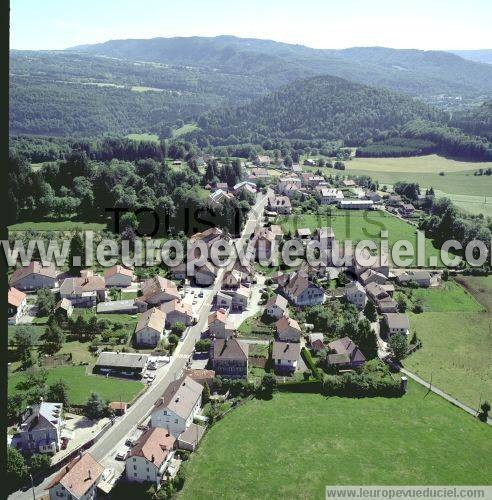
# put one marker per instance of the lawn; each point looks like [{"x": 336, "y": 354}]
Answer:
[
  {"x": 61, "y": 225},
  {"x": 143, "y": 137},
  {"x": 356, "y": 225},
  {"x": 480, "y": 287},
  {"x": 295, "y": 444},
  {"x": 185, "y": 129},
  {"x": 455, "y": 353},
  {"x": 450, "y": 297},
  {"x": 81, "y": 384}
]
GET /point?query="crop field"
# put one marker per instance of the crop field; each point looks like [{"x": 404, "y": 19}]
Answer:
[
  {"x": 295, "y": 444},
  {"x": 143, "y": 137}
]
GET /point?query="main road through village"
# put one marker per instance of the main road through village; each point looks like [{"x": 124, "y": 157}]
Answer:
[{"x": 142, "y": 407}]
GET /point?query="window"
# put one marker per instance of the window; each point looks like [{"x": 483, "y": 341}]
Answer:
[
  {"x": 134, "y": 474},
  {"x": 134, "y": 467}
]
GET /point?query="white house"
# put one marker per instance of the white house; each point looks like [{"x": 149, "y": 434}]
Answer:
[
  {"x": 285, "y": 356},
  {"x": 277, "y": 306},
  {"x": 178, "y": 406},
  {"x": 157, "y": 290},
  {"x": 356, "y": 294},
  {"x": 218, "y": 324},
  {"x": 17, "y": 302},
  {"x": 150, "y": 327},
  {"x": 78, "y": 480},
  {"x": 396, "y": 323},
  {"x": 34, "y": 276},
  {"x": 301, "y": 292},
  {"x": 330, "y": 195},
  {"x": 149, "y": 458}
]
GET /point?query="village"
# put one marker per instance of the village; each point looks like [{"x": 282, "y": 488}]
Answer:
[{"x": 199, "y": 345}]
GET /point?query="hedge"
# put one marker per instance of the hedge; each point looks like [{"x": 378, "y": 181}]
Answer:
[{"x": 306, "y": 356}]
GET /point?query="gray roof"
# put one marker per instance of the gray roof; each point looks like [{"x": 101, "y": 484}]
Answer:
[
  {"x": 116, "y": 305},
  {"x": 122, "y": 360},
  {"x": 229, "y": 349},
  {"x": 286, "y": 350},
  {"x": 41, "y": 416},
  {"x": 180, "y": 397},
  {"x": 397, "y": 320}
]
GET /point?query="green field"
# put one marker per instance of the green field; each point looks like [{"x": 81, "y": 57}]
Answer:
[
  {"x": 470, "y": 192},
  {"x": 295, "y": 444},
  {"x": 480, "y": 287},
  {"x": 62, "y": 225},
  {"x": 356, "y": 225},
  {"x": 450, "y": 297},
  {"x": 185, "y": 129},
  {"x": 81, "y": 384},
  {"x": 143, "y": 137}
]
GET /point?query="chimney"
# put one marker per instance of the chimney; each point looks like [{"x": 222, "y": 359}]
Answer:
[
  {"x": 152, "y": 458},
  {"x": 89, "y": 474}
]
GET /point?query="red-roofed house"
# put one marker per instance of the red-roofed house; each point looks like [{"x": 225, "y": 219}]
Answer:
[
  {"x": 17, "y": 302},
  {"x": 288, "y": 330},
  {"x": 118, "y": 276},
  {"x": 34, "y": 276},
  {"x": 149, "y": 458}
]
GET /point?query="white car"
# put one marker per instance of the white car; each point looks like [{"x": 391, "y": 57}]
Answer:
[{"x": 121, "y": 455}]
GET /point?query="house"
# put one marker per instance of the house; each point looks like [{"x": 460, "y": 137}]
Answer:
[
  {"x": 326, "y": 236},
  {"x": 245, "y": 186},
  {"x": 232, "y": 279},
  {"x": 150, "y": 327},
  {"x": 285, "y": 356},
  {"x": 189, "y": 439},
  {"x": 356, "y": 294},
  {"x": 209, "y": 236},
  {"x": 309, "y": 162},
  {"x": 84, "y": 291},
  {"x": 257, "y": 174},
  {"x": 277, "y": 306},
  {"x": 218, "y": 324},
  {"x": 301, "y": 292},
  {"x": 356, "y": 204},
  {"x": 201, "y": 375},
  {"x": 121, "y": 364},
  {"x": 177, "y": 407},
  {"x": 118, "y": 407},
  {"x": 223, "y": 300},
  {"x": 394, "y": 200},
  {"x": 218, "y": 197},
  {"x": 288, "y": 329},
  {"x": 349, "y": 183},
  {"x": 118, "y": 276},
  {"x": 372, "y": 195},
  {"x": 157, "y": 290},
  {"x": 229, "y": 358},
  {"x": 34, "y": 276},
  {"x": 205, "y": 275},
  {"x": 288, "y": 183},
  {"x": 239, "y": 298},
  {"x": 179, "y": 271},
  {"x": 78, "y": 480},
  {"x": 222, "y": 185},
  {"x": 17, "y": 302},
  {"x": 344, "y": 353},
  {"x": 64, "y": 309},
  {"x": 177, "y": 311},
  {"x": 387, "y": 305},
  {"x": 396, "y": 323},
  {"x": 406, "y": 209},
  {"x": 372, "y": 276},
  {"x": 148, "y": 459},
  {"x": 316, "y": 342},
  {"x": 279, "y": 204},
  {"x": 421, "y": 278},
  {"x": 330, "y": 195},
  {"x": 40, "y": 428}
]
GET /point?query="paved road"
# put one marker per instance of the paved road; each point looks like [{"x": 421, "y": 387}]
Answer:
[
  {"x": 437, "y": 391},
  {"x": 124, "y": 426}
]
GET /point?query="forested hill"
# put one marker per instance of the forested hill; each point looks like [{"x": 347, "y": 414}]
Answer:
[
  {"x": 322, "y": 107},
  {"x": 477, "y": 121},
  {"x": 417, "y": 72}
]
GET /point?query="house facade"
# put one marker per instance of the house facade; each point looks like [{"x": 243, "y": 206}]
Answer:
[
  {"x": 277, "y": 306},
  {"x": 229, "y": 358},
  {"x": 150, "y": 327},
  {"x": 118, "y": 276},
  {"x": 34, "y": 276},
  {"x": 356, "y": 294},
  {"x": 288, "y": 330},
  {"x": 285, "y": 356},
  {"x": 17, "y": 303}
]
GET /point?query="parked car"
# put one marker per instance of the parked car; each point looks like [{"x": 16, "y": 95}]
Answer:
[
  {"x": 121, "y": 455},
  {"x": 200, "y": 294}
]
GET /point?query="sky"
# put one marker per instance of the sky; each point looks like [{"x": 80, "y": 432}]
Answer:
[{"x": 420, "y": 24}]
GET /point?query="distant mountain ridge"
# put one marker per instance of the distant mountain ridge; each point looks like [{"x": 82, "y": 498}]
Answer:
[
  {"x": 483, "y": 55},
  {"x": 411, "y": 71}
]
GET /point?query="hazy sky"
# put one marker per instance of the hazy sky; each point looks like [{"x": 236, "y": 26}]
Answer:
[{"x": 422, "y": 24}]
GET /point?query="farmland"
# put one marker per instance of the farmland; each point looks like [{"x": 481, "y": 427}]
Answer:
[{"x": 341, "y": 439}]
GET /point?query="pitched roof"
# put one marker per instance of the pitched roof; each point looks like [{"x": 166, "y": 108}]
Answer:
[
  {"x": 156, "y": 285},
  {"x": 178, "y": 306},
  {"x": 154, "y": 445},
  {"x": 180, "y": 397},
  {"x": 297, "y": 284},
  {"x": 78, "y": 286},
  {"x": 112, "y": 271},
  {"x": 152, "y": 318},
  {"x": 122, "y": 359},
  {"x": 15, "y": 297},
  {"x": 41, "y": 416},
  {"x": 285, "y": 323},
  {"x": 34, "y": 267},
  {"x": 347, "y": 347},
  {"x": 397, "y": 320},
  {"x": 79, "y": 475},
  {"x": 218, "y": 315},
  {"x": 229, "y": 349},
  {"x": 64, "y": 304},
  {"x": 277, "y": 300},
  {"x": 286, "y": 350}
]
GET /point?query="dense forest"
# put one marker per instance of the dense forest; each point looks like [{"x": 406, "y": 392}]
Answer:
[
  {"x": 322, "y": 107},
  {"x": 475, "y": 121},
  {"x": 397, "y": 146},
  {"x": 90, "y": 189}
]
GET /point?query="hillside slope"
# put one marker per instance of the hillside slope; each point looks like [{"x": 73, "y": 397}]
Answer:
[
  {"x": 322, "y": 107},
  {"x": 417, "y": 72}
]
